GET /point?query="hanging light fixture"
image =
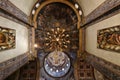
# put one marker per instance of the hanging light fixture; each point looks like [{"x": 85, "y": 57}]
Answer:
[{"x": 57, "y": 39}]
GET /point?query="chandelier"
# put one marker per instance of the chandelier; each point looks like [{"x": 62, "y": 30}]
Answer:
[{"x": 57, "y": 39}]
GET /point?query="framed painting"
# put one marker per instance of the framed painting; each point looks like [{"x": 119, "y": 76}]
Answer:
[
  {"x": 7, "y": 38},
  {"x": 109, "y": 39}
]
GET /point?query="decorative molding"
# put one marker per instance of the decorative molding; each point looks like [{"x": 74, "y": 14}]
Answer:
[
  {"x": 104, "y": 16},
  {"x": 8, "y": 16},
  {"x": 9, "y": 66},
  {"x": 105, "y": 9},
  {"x": 7, "y": 6},
  {"x": 81, "y": 41},
  {"x": 108, "y": 69}
]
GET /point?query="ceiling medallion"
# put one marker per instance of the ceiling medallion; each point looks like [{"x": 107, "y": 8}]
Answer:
[{"x": 57, "y": 64}]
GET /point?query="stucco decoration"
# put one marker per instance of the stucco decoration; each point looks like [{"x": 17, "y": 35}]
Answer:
[
  {"x": 57, "y": 64},
  {"x": 7, "y": 38},
  {"x": 109, "y": 39}
]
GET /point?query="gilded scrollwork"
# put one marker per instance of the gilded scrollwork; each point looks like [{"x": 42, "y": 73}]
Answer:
[
  {"x": 109, "y": 38},
  {"x": 7, "y": 38}
]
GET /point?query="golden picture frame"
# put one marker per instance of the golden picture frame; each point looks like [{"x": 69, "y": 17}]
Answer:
[
  {"x": 7, "y": 38},
  {"x": 109, "y": 38}
]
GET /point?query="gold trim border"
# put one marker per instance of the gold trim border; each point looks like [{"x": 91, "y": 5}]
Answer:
[{"x": 53, "y": 1}]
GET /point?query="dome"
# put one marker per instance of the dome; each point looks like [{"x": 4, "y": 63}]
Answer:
[{"x": 57, "y": 64}]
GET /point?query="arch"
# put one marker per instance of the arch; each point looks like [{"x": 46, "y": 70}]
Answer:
[{"x": 59, "y": 1}]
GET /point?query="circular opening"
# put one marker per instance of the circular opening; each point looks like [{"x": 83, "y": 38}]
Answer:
[{"x": 57, "y": 64}]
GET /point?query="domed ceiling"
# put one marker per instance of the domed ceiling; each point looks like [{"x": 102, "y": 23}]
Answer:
[{"x": 57, "y": 64}]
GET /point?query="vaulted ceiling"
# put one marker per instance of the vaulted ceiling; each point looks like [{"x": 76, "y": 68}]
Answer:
[{"x": 26, "y": 6}]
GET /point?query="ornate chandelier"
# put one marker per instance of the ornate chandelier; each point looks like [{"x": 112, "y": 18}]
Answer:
[{"x": 57, "y": 38}]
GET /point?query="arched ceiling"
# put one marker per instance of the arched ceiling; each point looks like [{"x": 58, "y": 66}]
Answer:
[{"x": 87, "y": 6}]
